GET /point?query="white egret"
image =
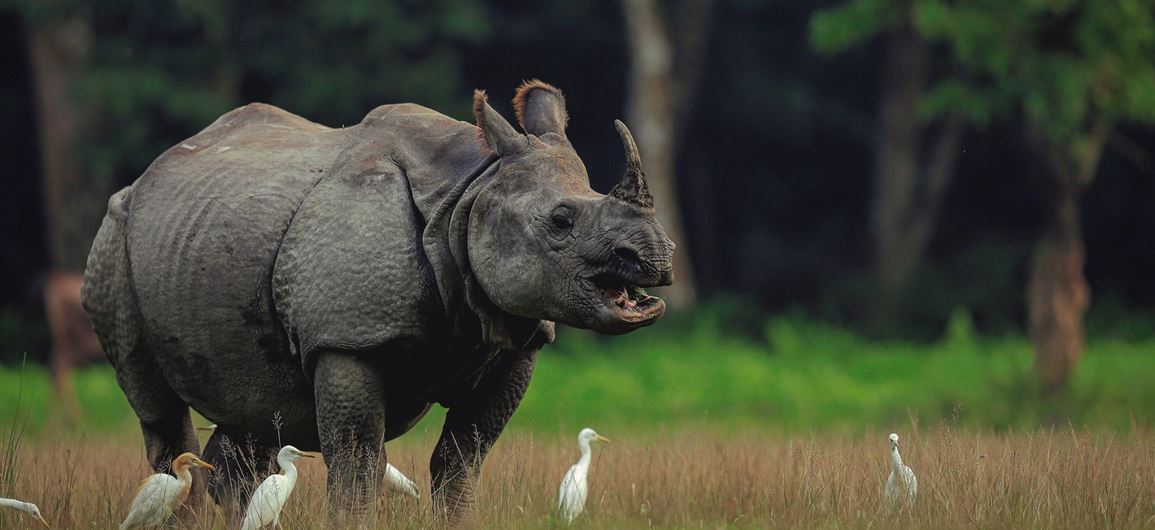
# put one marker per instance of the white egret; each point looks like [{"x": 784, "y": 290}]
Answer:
[
  {"x": 25, "y": 507},
  {"x": 396, "y": 482},
  {"x": 269, "y": 498},
  {"x": 571, "y": 496},
  {"x": 902, "y": 482},
  {"x": 160, "y": 494}
]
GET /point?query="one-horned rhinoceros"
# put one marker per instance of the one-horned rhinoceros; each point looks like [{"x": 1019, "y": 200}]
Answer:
[{"x": 324, "y": 287}]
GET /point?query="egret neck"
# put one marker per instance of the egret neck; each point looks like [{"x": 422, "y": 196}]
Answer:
[
  {"x": 583, "y": 463},
  {"x": 288, "y": 468},
  {"x": 182, "y": 472},
  {"x": 19, "y": 505},
  {"x": 895, "y": 458}
]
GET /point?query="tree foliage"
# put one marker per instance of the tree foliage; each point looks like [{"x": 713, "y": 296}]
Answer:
[
  {"x": 1069, "y": 65},
  {"x": 777, "y": 143},
  {"x": 1072, "y": 67},
  {"x": 1073, "y": 70},
  {"x": 160, "y": 71}
]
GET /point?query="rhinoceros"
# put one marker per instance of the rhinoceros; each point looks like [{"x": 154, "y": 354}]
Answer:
[{"x": 324, "y": 287}]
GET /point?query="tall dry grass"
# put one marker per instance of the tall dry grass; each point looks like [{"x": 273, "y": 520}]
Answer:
[{"x": 1045, "y": 479}]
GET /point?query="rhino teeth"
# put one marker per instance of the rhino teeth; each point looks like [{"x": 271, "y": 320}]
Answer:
[{"x": 626, "y": 297}]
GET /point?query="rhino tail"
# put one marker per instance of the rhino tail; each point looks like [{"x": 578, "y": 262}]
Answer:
[{"x": 107, "y": 295}]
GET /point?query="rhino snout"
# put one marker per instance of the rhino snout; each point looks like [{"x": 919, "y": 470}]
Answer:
[{"x": 652, "y": 265}]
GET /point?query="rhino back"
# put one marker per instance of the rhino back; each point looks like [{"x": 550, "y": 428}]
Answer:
[{"x": 203, "y": 230}]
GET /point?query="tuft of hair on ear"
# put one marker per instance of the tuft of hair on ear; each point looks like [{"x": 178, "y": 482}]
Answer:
[
  {"x": 526, "y": 90},
  {"x": 480, "y": 99}
]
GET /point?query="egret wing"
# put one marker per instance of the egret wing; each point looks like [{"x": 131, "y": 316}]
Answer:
[
  {"x": 399, "y": 483},
  {"x": 889, "y": 492},
  {"x": 571, "y": 495},
  {"x": 901, "y": 486},
  {"x": 154, "y": 501},
  {"x": 267, "y": 502},
  {"x": 911, "y": 482}
]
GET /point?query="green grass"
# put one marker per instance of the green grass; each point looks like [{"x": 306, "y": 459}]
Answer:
[
  {"x": 800, "y": 377},
  {"x": 806, "y": 376}
]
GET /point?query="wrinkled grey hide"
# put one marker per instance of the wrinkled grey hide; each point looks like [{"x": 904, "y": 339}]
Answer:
[{"x": 324, "y": 287}]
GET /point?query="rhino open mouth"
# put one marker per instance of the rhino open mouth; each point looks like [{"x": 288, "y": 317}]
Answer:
[{"x": 627, "y": 300}]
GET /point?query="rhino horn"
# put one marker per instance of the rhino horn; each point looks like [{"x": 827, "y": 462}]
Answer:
[
  {"x": 499, "y": 135},
  {"x": 632, "y": 188}
]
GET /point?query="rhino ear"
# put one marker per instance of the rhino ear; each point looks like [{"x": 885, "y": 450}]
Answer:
[
  {"x": 498, "y": 134},
  {"x": 540, "y": 108}
]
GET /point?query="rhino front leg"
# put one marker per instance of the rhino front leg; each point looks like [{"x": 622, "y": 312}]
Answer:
[
  {"x": 351, "y": 423},
  {"x": 472, "y": 425}
]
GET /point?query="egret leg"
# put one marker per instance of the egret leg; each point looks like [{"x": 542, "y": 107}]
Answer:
[
  {"x": 472, "y": 425},
  {"x": 350, "y": 395}
]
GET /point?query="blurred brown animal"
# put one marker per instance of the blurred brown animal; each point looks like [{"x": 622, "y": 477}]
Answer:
[{"x": 74, "y": 343}]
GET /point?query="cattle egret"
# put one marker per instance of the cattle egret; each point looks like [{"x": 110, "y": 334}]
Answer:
[
  {"x": 571, "y": 496},
  {"x": 397, "y": 482},
  {"x": 160, "y": 494},
  {"x": 902, "y": 482},
  {"x": 25, "y": 507},
  {"x": 270, "y": 496}
]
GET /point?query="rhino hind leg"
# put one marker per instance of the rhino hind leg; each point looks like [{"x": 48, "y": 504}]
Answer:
[
  {"x": 350, "y": 395},
  {"x": 165, "y": 420},
  {"x": 109, "y": 300}
]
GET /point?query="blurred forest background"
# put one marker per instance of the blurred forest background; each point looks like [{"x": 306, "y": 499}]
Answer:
[{"x": 892, "y": 179}]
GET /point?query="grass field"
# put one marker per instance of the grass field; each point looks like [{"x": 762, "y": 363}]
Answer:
[{"x": 1041, "y": 479}]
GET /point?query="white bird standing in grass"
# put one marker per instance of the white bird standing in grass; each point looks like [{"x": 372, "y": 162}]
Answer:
[
  {"x": 902, "y": 482},
  {"x": 25, "y": 507},
  {"x": 160, "y": 494},
  {"x": 571, "y": 496},
  {"x": 270, "y": 496}
]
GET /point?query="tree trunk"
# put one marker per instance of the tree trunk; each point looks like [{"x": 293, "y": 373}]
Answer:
[
  {"x": 1057, "y": 291},
  {"x": 910, "y": 181},
  {"x": 656, "y": 100},
  {"x": 59, "y": 50},
  {"x": 897, "y": 157}
]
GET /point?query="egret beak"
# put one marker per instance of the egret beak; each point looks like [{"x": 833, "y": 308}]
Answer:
[
  {"x": 306, "y": 455},
  {"x": 201, "y": 463},
  {"x": 41, "y": 519},
  {"x": 601, "y": 438}
]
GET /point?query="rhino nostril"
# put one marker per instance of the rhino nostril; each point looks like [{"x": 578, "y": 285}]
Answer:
[{"x": 627, "y": 254}]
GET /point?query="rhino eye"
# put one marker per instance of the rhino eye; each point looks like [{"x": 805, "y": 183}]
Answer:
[{"x": 561, "y": 222}]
